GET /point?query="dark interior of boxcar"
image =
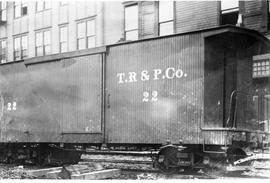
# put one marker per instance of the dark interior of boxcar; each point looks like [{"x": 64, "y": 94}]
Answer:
[{"x": 228, "y": 70}]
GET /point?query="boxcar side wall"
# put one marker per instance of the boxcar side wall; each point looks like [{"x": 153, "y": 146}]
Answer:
[
  {"x": 58, "y": 101},
  {"x": 154, "y": 90}
]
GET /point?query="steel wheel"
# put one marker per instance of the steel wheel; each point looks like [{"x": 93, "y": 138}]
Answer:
[{"x": 167, "y": 159}]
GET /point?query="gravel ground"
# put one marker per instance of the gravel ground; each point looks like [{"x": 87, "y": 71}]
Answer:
[
  {"x": 13, "y": 172},
  {"x": 261, "y": 171}
]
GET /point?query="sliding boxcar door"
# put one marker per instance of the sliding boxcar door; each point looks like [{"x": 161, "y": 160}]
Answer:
[{"x": 81, "y": 100}]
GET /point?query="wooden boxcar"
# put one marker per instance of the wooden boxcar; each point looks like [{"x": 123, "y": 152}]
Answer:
[
  {"x": 180, "y": 86},
  {"x": 174, "y": 88}
]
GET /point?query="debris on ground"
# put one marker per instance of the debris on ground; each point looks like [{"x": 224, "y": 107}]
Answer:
[
  {"x": 146, "y": 176},
  {"x": 17, "y": 172}
]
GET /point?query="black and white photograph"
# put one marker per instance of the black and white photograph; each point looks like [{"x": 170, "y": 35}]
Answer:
[{"x": 135, "y": 90}]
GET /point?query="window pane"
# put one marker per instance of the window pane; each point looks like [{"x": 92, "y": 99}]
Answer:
[
  {"x": 3, "y": 58},
  {"x": 3, "y": 44},
  {"x": 165, "y": 11},
  {"x": 166, "y": 28},
  {"x": 81, "y": 30},
  {"x": 17, "y": 55},
  {"x": 63, "y": 47},
  {"x": 47, "y": 49},
  {"x": 47, "y": 5},
  {"x": 63, "y": 34},
  {"x": 91, "y": 42},
  {"x": 131, "y": 17},
  {"x": 17, "y": 43},
  {"x": 3, "y": 5},
  {"x": 39, "y": 51},
  {"x": 39, "y": 39},
  {"x": 47, "y": 37},
  {"x": 4, "y": 15},
  {"x": 24, "y": 42},
  {"x": 39, "y": 5},
  {"x": 228, "y": 4},
  {"x": 62, "y": 3},
  {"x": 81, "y": 44},
  {"x": 3, "y": 51},
  {"x": 17, "y": 10},
  {"x": 24, "y": 9},
  {"x": 132, "y": 35},
  {"x": 24, "y": 53},
  {"x": 91, "y": 28}
]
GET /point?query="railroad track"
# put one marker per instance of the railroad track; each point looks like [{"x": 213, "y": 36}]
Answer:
[
  {"x": 121, "y": 161},
  {"x": 136, "y": 166}
]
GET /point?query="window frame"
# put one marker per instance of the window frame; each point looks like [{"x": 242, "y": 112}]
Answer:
[
  {"x": 261, "y": 68},
  {"x": 166, "y": 21},
  {"x": 229, "y": 10},
  {"x": 125, "y": 20},
  {"x": 43, "y": 45},
  {"x": 60, "y": 40},
  {"x": 20, "y": 6},
  {"x": 43, "y": 6},
  {"x": 20, "y": 51},
  {"x": 3, "y": 10},
  {"x": 229, "y": 14},
  {"x": 3, "y": 52},
  {"x": 63, "y": 3},
  {"x": 85, "y": 37}
]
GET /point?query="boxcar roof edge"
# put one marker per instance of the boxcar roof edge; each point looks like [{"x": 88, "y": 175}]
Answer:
[{"x": 104, "y": 49}]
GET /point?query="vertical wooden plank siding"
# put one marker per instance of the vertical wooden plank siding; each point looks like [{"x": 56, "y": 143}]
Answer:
[
  {"x": 195, "y": 15},
  {"x": 177, "y": 111},
  {"x": 82, "y": 102},
  {"x": 52, "y": 98},
  {"x": 147, "y": 16},
  {"x": 255, "y": 15}
]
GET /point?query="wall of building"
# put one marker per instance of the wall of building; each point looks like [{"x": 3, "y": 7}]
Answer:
[
  {"x": 109, "y": 17},
  {"x": 113, "y": 22},
  {"x": 53, "y": 18},
  {"x": 207, "y": 15}
]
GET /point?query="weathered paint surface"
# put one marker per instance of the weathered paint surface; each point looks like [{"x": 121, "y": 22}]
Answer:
[
  {"x": 207, "y": 15},
  {"x": 57, "y": 101},
  {"x": 154, "y": 90},
  {"x": 255, "y": 14}
]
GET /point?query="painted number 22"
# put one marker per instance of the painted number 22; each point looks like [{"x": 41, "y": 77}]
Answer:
[
  {"x": 12, "y": 106},
  {"x": 150, "y": 97}
]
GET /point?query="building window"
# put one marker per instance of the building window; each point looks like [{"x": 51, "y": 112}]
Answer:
[
  {"x": 166, "y": 16},
  {"x": 3, "y": 51},
  {"x": 43, "y": 43},
  {"x": 20, "y": 47},
  {"x": 229, "y": 12},
  {"x": 43, "y": 5},
  {"x": 3, "y": 11},
  {"x": 86, "y": 34},
  {"x": 20, "y": 9},
  {"x": 131, "y": 22},
  {"x": 63, "y": 3},
  {"x": 63, "y": 39},
  {"x": 261, "y": 68}
]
